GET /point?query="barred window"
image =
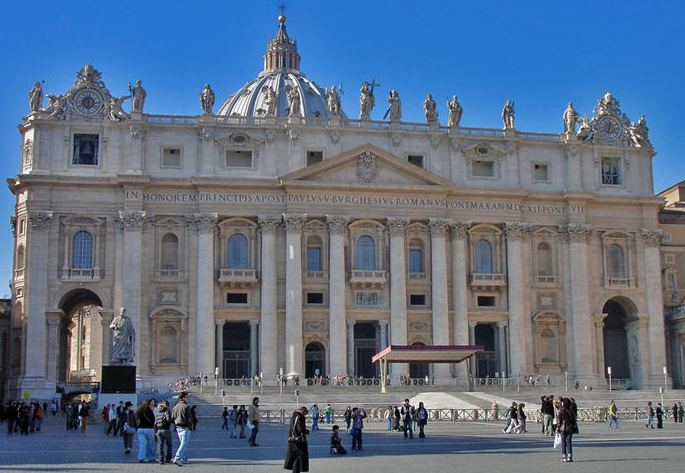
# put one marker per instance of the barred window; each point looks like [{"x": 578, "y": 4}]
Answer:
[
  {"x": 237, "y": 252},
  {"x": 416, "y": 256},
  {"x": 82, "y": 250}
]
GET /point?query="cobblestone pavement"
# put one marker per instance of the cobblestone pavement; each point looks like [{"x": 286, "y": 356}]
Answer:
[{"x": 473, "y": 447}]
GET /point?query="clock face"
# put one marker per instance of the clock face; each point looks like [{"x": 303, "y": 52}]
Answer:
[
  {"x": 88, "y": 101},
  {"x": 610, "y": 128}
]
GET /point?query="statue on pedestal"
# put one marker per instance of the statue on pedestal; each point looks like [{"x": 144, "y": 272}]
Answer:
[
  {"x": 36, "y": 97},
  {"x": 366, "y": 102},
  {"x": 270, "y": 101},
  {"x": 333, "y": 100},
  {"x": 207, "y": 98},
  {"x": 570, "y": 119},
  {"x": 394, "y": 113},
  {"x": 116, "y": 110},
  {"x": 639, "y": 134},
  {"x": 138, "y": 94},
  {"x": 430, "y": 109},
  {"x": 293, "y": 101},
  {"x": 123, "y": 338},
  {"x": 455, "y": 111},
  {"x": 508, "y": 115}
]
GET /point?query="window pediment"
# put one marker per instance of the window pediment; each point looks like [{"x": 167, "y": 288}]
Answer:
[{"x": 167, "y": 313}]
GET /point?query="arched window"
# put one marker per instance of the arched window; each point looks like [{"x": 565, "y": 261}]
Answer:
[
  {"x": 366, "y": 253},
  {"x": 20, "y": 257},
  {"x": 169, "y": 251},
  {"x": 483, "y": 257},
  {"x": 168, "y": 345},
  {"x": 237, "y": 252},
  {"x": 416, "y": 256},
  {"x": 314, "y": 262},
  {"x": 545, "y": 267},
  {"x": 82, "y": 250},
  {"x": 617, "y": 262}
]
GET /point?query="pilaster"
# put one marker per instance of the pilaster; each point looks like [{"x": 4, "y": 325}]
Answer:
[
  {"x": 268, "y": 345},
  {"x": 336, "y": 294},
  {"x": 219, "y": 346},
  {"x": 254, "y": 351},
  {"x": 459, "y": 232},
  {"x": 293, "y": 289},
  {"x": 516, "y": 233},
  {"x": 440, "y": 322},
  {"x": 398, "y": 290}
]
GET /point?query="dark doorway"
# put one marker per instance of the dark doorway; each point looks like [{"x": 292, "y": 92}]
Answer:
[
  {"x": 236, "y": 350},
  {"x": 487, "y": 362},
  {"x": 419, "y": 370},
  {"x": 616, "y": 340},
  {"x": 314, "y": 360},
  {"x": 81, "y": 309},
  {"x": 365, "y": 346}
]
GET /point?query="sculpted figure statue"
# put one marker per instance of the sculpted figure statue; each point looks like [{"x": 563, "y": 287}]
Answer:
[
  {"x": 116, "y": 110},
  {"x": 570, "y": 119},
  {"x": 123, "y": 337},
  {"x": 207, "y": 98},
  {"x": 639, "y": 134},
  {"x": 585, "y": 132},
  {"x": 333, "y": 100},
  {"x": 430, "y": 109},
  {"x": 270, "y": 100},
  {"x": 366, "y": 102},
  {"x": 508, "y": 115},
  {"x": 56, "y": 105},
  {"x": 294, "y": 102},
  {"x": 138, "y": 94},
  {"x": 36, "y": 97},
  {"x": 455, "y": 111},
  {"x": 394, "y": 112}
]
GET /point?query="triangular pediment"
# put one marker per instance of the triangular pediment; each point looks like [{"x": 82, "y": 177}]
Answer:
[{"x": 366, "y": 166}]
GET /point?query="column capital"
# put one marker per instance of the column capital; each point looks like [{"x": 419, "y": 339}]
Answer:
[
  {"x": 219, "y": 322},
  {"x": 202, "y": 223},
  {"x": 350, "y": 323},
  {"x": 106, "y": 317},
  {"x": 651, "y": 237},
  {"x": 253, "y": 322},
  {"x": 132, "y": 219},
  {"x": 473, "y": 323},
  {"x": 576, "y": 232},
  {"x": 460, "y": 230},
  {"x": 502, "y": 323},
  {"x": 516, "y": 231},
  {"x": 438, "y": 226},
  {"x": 336, "y": 223},
  {"x": 54, "y": 318},
  {"x": 39, "y": 220},
  {"x": 396, "y": 225},
  {"x": 268, "y": 224},
  {"x": 293, "y": 222},
  {"x": 383, "y": 322}
]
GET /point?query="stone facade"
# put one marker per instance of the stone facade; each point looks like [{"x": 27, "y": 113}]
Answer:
[{"x": 268, "y": 237}]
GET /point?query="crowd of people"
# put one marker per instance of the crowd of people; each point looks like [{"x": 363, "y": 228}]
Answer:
[{"x": 23, "y": 417}]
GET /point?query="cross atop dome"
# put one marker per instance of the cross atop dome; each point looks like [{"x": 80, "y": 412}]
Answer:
[{"x": 281, "y": 52}]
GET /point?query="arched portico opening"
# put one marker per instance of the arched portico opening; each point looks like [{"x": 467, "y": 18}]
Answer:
[
  {"x": 80, "y": 339},
  {"x": 621, "y": 333},
  {"x": 314, "y": 360}
]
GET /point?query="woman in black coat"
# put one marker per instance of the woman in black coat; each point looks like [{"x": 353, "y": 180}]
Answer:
[{"x": 297, "y": 452}]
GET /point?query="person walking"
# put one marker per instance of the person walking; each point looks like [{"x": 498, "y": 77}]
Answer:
[
  {"x": 146, "y": 434},
  {"x": 659, "y": 416},
  {"x": 11, "y": 414},
  {"x": 674, "y": 411},
  {"x": 681, "y": 412},
  {"x": 358, "y": 416},
  {"x": 112, "y": 420},
  {"x": 513, "y": 419},
  {"x": 163, "y": 433},
  {"x": 121, "y": 419},
  {"x": 421, "y": 419},
  {"x": 521, "y": 416},
  {"x": 180, "y": 416},
  {"x": 613, "y": 415},
  {"x": 129, "y": 427},
  {"x": 650, "y": 415},
  {"x": 315, "y": 417},
  {"x": 297, "y": 451},
  {"x": 396, "y": 420},
  {"x": 566, "y": 425},
  {"x": 408, "y": 412},
  {"x": 328, "y": 413},
  {"x": 224, "y": 417},
  {"x": 254, "y": 416},
  {"x": 233, "y": 422}
]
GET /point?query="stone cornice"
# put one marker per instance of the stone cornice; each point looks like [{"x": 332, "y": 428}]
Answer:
[
  {"x": 132, "y": 219},
  {"x": 39, "y": 220}
]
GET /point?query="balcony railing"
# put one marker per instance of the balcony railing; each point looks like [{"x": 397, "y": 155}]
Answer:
[
  {"x": 618, "y": 282},
  {"x": 487, "y": 279},
  {"x": 315, "y": 275},
  {"x": 367, "y": 277},
  {"x": 546, "y": 279},
  {"x": 81, "y": 274},
  {"x": 238, "y": 277},
  {"x": 169, "y": 275},
  {"x": 418, "y": 276}
]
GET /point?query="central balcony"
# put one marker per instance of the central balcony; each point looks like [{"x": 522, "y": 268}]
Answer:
[
  {"x": 487, "y": 280},
  {"x": 367, "y": 278},
  {"x": 169, "y": 275},
  {"x": 238, "y": 277},
  {"x": 81, "y": 274},
  {"x": 618, "y": 282}
]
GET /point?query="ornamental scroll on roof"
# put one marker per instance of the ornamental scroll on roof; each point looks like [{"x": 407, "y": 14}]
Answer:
[{"x": 610, "y": 125}]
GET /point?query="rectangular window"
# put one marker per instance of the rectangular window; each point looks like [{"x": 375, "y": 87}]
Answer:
[
  {"x": 483, "y": 168},
  {"x": 236, "y": 298},
  {"x": 540, "y": 172},
  {"x": 417, "y": 299},
  {"x": 314, "y": 259},
  {"x": 171, "y": 158},
  {"x": 415, "y": 261},
  {"x": 416, "y": 160},
  {"x": 611, "y": 172},
  {"x": 315, "y": 298},
  {"x": 486, "y": 301},
  {"x": 238, "y": 158},
  {"x": 86, "y": 149},
  {"x": 667, "y": 238},
  {"x": 314, "y": 157}
]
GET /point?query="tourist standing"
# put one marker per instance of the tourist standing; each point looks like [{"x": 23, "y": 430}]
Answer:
[
  {"x": 389, "y": 414},
  {"x": 163, "y": 433},
  {"x": 146, "y": 434},
  {"x": 408, "y": 412},
  {"x": 233, "y": 421},
  {"x": 112, "y": 420},
  {"x": 315, "y": 417},
  {"x": 547, "y": 410},
  {"x": 83, "y": 414},
  {"x": 224, "y": 417},
  {"x": 674, "y": 411},
  {"x": 297, "y": 451},
  {"x": 242, "y": 420},
  {"x": 358, "y": 416},
  {"x": 129, "y": 427},
  {"x": 566, "y": 426},
  {"x": 421, "y": 419},
  {"x": 613, "y": 415},
  {"x": 180, "y": 416},
  {"x": 253, "y": 416},
  {"x": 521, "y": 416},
  {"x": 396, "y": 420},
  {"x": 681, "y": 412},
  {"x": 659, "y": 416},
  {"x": 650, "y": 415},
  {"x": 193, "y": 417},
  {"x": 348, "y": 417},
  {"x": 328, "y": 413}
]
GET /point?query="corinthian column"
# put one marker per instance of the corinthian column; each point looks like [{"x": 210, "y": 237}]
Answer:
[
  {"x": 268, "y": 348},
  {"x": 459, "y": 294},
  {"x": 204, "y": 325},
  {"x": 515, "y": 233},
  {"x": 293, "y": 293},
  {"x": 336, "y": 294},
  {"x": 655, "y": 308},
  {"x": 398, "y": 290},
  {"x": 441, "y": 323}
]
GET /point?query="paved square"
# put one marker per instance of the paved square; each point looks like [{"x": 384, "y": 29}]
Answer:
[{"x": 473, "y": 447}]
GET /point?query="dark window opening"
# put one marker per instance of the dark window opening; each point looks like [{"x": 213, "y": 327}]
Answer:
[
  {"x": 86, "y": 149},
  {"x": 486, "y": 301},
  {"x": 236, "y": 298},
  {"x": 417, "y": 299},
  {"x": 315, "y": 298}
]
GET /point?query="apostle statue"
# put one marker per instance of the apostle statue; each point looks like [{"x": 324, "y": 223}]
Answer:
[
  {"x": 570, "y": 119},
  {"x": 123, "y": 338},
  {"x": 394, "y": 112},
  {"x": 293, "y": 101},
  {"x": 333, "y": 100},
  {"x": 455, "y": 111},
  {"x": 207, "y": 98},
  {"x": 138, "y": 94},
  {"x": 116, "y": 110},
  {"x": 639, "y": 133},
  {"x": 366, "y": 102},
  {"x": 508, "y": 115},
  {"x": 36, "y": 97},
  {"x": 430, "y": 109},
  {"x": 270, "y": 100}
]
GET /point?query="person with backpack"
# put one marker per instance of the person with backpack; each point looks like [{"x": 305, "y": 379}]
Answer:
[
  {"x": 163, "y": 433},
  {"x": 566, "y": 425},
  {"x": 421, "y": 419}
]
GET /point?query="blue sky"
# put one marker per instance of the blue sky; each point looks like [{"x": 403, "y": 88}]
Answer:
[{"x": 540, "y": 53}]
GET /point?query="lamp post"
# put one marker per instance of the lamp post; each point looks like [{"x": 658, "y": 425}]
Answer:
[
  {"x": 609, "y": 373},
  {"x": 665, "y": 378}
]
